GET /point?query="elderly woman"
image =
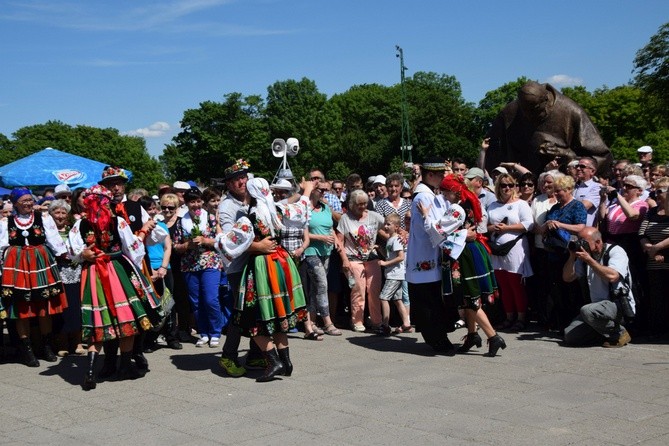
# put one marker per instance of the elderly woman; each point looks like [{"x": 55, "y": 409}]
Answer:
[
  {"x": 31, "y": 284},
  {"x": 271, "y": 300},
  {"x": 201, "y": 266},
  {"x": 68, "y": 324},
  {"x": 117, "y": 301},
  {"x": 508, "y": 219},
  {"x": 654, "y": 234},
  {"x": 565, "y": 219},
  {"x": 527, "y": 187},
  {"x": 357, "y": 232},
  {"x": 394, "y": 203}
]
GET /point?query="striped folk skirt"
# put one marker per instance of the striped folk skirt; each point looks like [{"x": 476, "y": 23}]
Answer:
[
  {"x": 271, "y": 299},
  {"x": 116, "y": 300},
  {"x": 31, "y": 283},
  {"x": 476, "y": 275}
]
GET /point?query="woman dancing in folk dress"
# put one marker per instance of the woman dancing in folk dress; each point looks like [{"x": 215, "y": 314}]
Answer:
[
  {"x": 271, "y": 300},
  {"x": 117, "y": 302},
  {"x": 31, "y": 285}
]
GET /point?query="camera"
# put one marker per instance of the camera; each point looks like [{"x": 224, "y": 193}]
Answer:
[
  {"x": 612, "y": 195},
  {"x": 577, "y": 245}
]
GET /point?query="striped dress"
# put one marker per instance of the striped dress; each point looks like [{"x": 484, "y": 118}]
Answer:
[
  {"x": 116, "y": 298},
  {"x": 271, "y": 299},
  {"x": 31, "y": 284}
]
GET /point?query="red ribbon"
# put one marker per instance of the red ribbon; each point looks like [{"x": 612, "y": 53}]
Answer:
[
  {"x": 101, "y": 262},
  {"x": 484, "y": 241}
]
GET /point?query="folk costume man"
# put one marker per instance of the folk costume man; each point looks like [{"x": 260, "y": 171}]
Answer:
[{"x": 433, "y": 315}]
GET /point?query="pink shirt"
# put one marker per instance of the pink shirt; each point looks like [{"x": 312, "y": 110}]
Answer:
[{"x": 618, "y": 223}]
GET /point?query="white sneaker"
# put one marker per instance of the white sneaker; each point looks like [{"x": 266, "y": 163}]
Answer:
[
  {"x": 202, "y": 341},
  {"x": 214, "y": 342}
]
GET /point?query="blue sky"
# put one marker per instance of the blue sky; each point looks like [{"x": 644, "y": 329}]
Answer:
[{"x": 138, "y": 65}]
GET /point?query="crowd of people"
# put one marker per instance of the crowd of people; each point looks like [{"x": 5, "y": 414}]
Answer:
[{"x": 96, "y": 270}]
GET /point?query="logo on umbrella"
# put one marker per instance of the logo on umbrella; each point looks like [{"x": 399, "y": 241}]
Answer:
[{"x": 69, "y": 176}]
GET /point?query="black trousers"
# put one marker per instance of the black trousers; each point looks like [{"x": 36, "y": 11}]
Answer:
[
  {"x": 433, "y": 315},
  {"x": 233, "y": 336}
]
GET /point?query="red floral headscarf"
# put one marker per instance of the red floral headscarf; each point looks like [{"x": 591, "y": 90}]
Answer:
[
  {"x": 96, "y": 205},
  {"x": 456, "y": 183}
]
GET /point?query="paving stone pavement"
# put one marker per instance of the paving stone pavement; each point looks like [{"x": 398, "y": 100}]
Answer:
[{"x": 351, "y": 390}]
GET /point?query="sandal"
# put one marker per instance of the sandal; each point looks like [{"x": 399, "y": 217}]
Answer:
[
  {"x": 404, "y": 329},
  {"x": 332, "y": 330},
  {"x": 313, "y": 336},
  {"x": 316, "y": 329}
]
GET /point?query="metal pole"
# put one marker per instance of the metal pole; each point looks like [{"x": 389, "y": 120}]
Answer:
[{"x": 406, "y": 132}]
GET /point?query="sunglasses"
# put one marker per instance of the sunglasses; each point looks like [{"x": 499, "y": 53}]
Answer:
[
  {"x": 630, "y": 186},
  {"x": 583, "y": 166},
  {"x": 168, "y": 208},
  {"x": 323, "y": 190},
  {"x": 662, "y": 190},
  {"x": 506, "y": 185},
  {"x": 527, "y": 184}
]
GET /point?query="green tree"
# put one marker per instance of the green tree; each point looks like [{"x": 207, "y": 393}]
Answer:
[
  {"x": 369, "y": 135},
  {"x": 297, "y": 109},
  {"x": 442, "y": 121},
  {"x": 215, "y": 134},
  {"x": 651, "y": 66}
]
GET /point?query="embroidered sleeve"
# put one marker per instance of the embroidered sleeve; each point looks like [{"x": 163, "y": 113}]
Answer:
[
  {"x": 4, "y": 236},
  {"x": 132, "y": 247},
  {"x": 77, "y": 244},
  {"x": 236, "y": 241}
]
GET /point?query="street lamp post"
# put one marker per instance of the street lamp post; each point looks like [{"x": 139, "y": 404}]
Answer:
[{"x": 406, "y": 132}]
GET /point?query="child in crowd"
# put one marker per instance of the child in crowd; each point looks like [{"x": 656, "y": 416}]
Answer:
[{"x": 394, "y": 273}]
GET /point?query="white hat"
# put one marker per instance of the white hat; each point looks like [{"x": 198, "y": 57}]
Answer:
[
  {"x": 282, "y": 184},
  {"x": 61, "y": 189},
  {"x": 155, "y": 198},
  {"x": 181, "y": 185},
  {"x": 645, "y": 149},
  {"x": 379, "y": 179},
  {"x": 500, "y": 169}
]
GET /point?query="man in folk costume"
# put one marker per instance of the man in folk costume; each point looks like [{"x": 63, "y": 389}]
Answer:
[
  {"x": 115, "y": 179},
  {"x": 433, "y": 315}
]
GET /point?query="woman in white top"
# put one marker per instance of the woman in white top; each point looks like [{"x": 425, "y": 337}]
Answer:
[{"x": 508, "y": 218}]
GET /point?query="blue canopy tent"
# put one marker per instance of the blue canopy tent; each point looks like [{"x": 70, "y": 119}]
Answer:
[{"x": 50, "y": 167}]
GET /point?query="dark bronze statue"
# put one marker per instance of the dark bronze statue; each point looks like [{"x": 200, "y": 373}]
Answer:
[{"x": 544, "y": 126}]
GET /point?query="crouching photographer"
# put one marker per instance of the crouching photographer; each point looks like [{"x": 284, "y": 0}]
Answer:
[{"x": 607, "y": 271}]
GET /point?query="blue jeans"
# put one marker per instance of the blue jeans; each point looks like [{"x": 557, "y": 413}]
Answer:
[
  {"x": 203, "y": 294},
  {"x": 317, "y": 269}
]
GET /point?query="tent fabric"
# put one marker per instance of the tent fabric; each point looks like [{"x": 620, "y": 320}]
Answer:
[{"x": 50, "y": 167}]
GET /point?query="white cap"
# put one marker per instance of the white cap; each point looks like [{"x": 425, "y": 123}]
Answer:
[
  {"x": 645, "y": 149},
  {"x": 500, "y": 169},
  {"x": 379, "y": 179},
  {"x": 61, "y": 189},
  {"x": 181, "y": 185},
  {"x": 282, "y": 184},
  {"x": 155, "y": 198}
]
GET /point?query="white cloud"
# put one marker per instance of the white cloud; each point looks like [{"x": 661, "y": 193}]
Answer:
[
  {"x": 564, "y": 80},
  {"x": 155, "y": 130}
]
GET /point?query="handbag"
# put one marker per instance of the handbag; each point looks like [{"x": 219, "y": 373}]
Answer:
[
  {"x": 502, "y": 249},
  {"x": 166, "y": 304},
  {"x": 557, "y": 239}
]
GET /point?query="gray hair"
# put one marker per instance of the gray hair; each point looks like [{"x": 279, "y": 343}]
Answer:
[
  {"x": 551, "y": 173},
  {"x": 356, "y": 195},
  {"x": 59, "y": 204},
  {"x": 637, "y": 180}
]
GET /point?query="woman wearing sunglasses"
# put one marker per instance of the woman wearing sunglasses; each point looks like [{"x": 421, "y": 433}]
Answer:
[
  {"x": 169, "y": 205},
  {"x": 508, "y": 218}
]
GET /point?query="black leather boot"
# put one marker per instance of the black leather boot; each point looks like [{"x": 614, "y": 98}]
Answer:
[
  {"x": 284, "y": 355},
  {"x": 47, "y": 351},
  {"x": 27, "y": 353},
  {"x": 444, "y": 347},
  {"x": 128, "y": 369},
  {"x": 111, "y": 354},
  {"x": 471, "y": 340},
  {"x": 89, "y": 378},
  {"x": 274, "y": 367},
  {"x": 494, "y": 344},
  {"x": 138, "y": 353}
]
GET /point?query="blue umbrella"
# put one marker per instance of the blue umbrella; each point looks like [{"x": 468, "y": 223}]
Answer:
[{"x": 50, "y": 167}]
